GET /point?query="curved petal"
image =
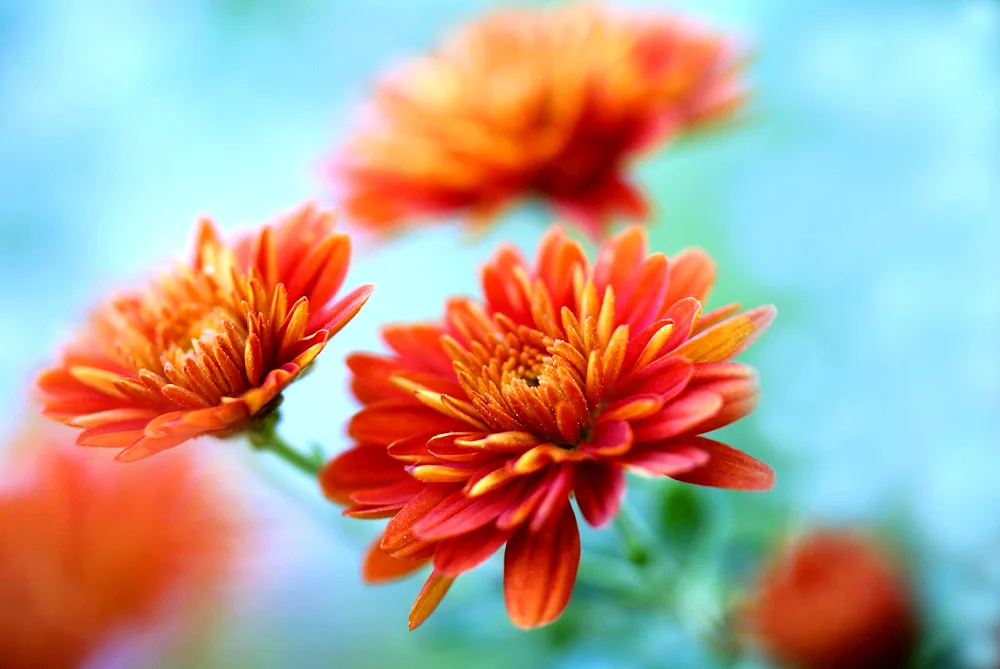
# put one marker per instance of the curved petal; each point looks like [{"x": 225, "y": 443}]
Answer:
[
  {"x": 692, "y": 273},
  {"x": 669, "y": 459},
  {"x": 618, "y": 258},
  {"x": 390, "y": 420},
  {"x": 610, "y": 438},
  {"x": 558, "y": 259},
  {"x": 419, "y": 346},
  {"x": 727, "y": 467},
  {"x": 467, "y": 551},
  {"x": 458, "y": 513},
  {"x": 641, "y": 306},
  {"x": 666, "y": 378},
  {"x": 434, "y": 590},
  {"x": 735, "y": 383},
  {"x": 683, "y": 414},
  {"x": 334, "y": 317},
  {"x": 729, "y": 338},
  {"x": 540, "y": 570},
  {"x": 399, "y": 539},
  {"x": 380, "y": 567},
  {"x": 599, "y": 489},
  {"x": 361, "y": 467}
]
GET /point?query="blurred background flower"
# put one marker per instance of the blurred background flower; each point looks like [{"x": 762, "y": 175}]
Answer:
[
  {"x": 547, "y": 103},
  {"x": 858, "y": 193},
  {"x": 94, "y": 554},
  {"x": 834, "y": 600}
]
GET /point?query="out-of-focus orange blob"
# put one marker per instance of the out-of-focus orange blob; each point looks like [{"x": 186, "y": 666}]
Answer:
[
  {"x": 546, "y": 103},
  {"x": 834, "y": 601},
  {"x": 88, "y": 548}
]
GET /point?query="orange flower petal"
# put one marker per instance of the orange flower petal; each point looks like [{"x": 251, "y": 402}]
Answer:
[
  {"x": 362, "y": 467},
  {"x": 434, "y": 590},
  {"x": 556, "y": 498},
  {"x": 399, "y": 539},
  {"x": 444, "y": 473},
  {"x": 335, "y": 317},
  {"x": 666, "y": 378},
  {"x": 419, "y": 344},
  {"x": 380, "y": 567},
  {"x": 640, "y": 308},
  {"x": 692, "y": 274},
  {"x": 599, "y": 489},
  {"x": 727, "y": 468},
  {"x": 610, "y": 438},
  {"x": 390, "y": 420},
  {"x": 411, "y": 450},
  {"x": 459, "y": 554},
  {"x": 668, "y": 459},
  {"x": 459, "y": 513},
  {"x": 728, "y": 338},
  {"x": 682, "y": 414},
  {"x": 502, "y": 442},
  {"x": 397, "y": 493},
  {"x": 633, "y": 407},
  {"x": 148, "y": 446},
  {"x": 540, "y": 570},
  {"x": 618, "y": 259}
]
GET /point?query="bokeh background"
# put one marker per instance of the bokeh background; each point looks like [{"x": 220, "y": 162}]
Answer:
[{"x": 860, "y": 192}]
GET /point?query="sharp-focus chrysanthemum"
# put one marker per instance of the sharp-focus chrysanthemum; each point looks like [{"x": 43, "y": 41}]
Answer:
[
  {"x": 210, "y": 345},
  {"x": 478, "y": 431},
  {"x": 551, "y": 103},
  {"x": 90, "y": 550},
  {"x": 834, "y": 600}
]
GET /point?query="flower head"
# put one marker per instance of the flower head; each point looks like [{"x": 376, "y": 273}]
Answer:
[
  {"x": 834, "y": 601},
  {"x": 90, "y": 549},
  {"x": 210, "y": 345},
  {"x": 478, "y": 430},
  {"x": 552, "y": 103}
]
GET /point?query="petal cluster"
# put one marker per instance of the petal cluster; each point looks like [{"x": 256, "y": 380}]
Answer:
[
  {"x": 90, "y": 549},
  {"x": 548, "y": 103},
  {"x": 835, "y": 601},
  {"x": 478, "y": 430},
  {"x": 210, "y": 345}
]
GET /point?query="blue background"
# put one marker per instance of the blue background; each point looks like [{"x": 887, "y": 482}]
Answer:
[{"x": 859, "y": 192}]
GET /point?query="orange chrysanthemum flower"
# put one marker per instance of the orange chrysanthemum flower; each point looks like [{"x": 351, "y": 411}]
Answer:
[
  {"x": 90, "y": 550},
  {"x": 478, "y": 431},
  {"x": 835, "y": 601},
  {"x": 209, "y": 346},
  {"x": 542, "y": 102}
]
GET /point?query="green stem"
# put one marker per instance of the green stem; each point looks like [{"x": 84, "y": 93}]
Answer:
[
  {"x": 637, "y": 549},
  {"x": 268, "y": 439}
]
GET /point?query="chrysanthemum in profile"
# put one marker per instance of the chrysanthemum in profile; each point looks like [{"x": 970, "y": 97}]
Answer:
[
  {"x": 477, "y": 431},
  {"x": 547, "y": 103},
  {"x": 91, "y": 550},
  {"x": 834, "y": 600},
  {"x": 209, "y": 346}
]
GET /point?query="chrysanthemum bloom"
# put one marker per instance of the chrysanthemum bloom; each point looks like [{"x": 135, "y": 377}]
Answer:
[
  {"x": 834, "y": 601},
  {"x": 478, "y": 431},
  {"x": 90, "y": 549},
  {"x": 210, "y": 346},
  {"x": 551, "y": 103}
]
